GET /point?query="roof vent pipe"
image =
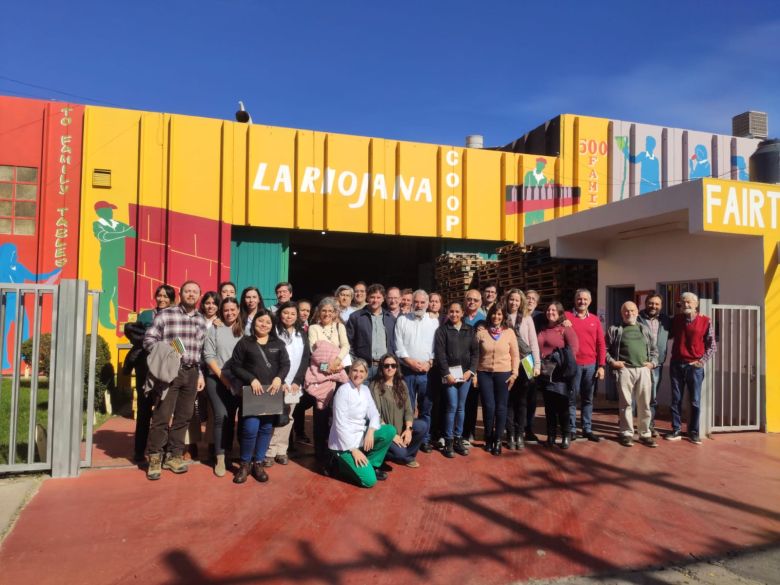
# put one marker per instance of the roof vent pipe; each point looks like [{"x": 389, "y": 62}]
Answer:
[{"x": 475, "y": 141}]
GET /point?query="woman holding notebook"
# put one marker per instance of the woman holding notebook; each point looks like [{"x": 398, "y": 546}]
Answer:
[{"x": 260, "y": 361}]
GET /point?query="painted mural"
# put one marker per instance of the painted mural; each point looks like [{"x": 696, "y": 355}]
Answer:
[
  {"x": 40, "y": 186},
  {"x": 112, "y": 235},
  {"x": 646, "y": 158}
]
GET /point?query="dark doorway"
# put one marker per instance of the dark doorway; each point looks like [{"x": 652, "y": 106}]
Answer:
[
  {"x": 320, "y": 262},
  {"x": 616, "y": 296}
]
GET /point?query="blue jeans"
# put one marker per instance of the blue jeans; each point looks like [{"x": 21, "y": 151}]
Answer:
[
  {"x": 495, "y": 396},
  {"x": 256, "y": 432},
  {"x": 683, "y": 375},
  {"x": 656, "y": 376},
  {"x": 456, "y": 409},
  {"x": 583, "y": 384},
  {"x": 418, "y": 395},
  {"x": 407, "y": 454}
]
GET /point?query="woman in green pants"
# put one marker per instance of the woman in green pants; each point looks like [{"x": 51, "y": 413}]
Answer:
[{"x": 360, "y": 448}]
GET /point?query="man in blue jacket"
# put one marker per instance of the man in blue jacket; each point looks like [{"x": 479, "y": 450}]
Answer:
[
  {"x": 659, "y": 326},
  {"x": 371, "y": 330}
]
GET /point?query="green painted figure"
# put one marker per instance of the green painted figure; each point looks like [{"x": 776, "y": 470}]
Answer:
[
  {"x": 111, "y": 234},
  {"x": 535, "y": 177}
]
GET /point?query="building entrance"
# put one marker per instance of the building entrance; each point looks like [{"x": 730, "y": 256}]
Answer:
[{"x": 320, "y": 262}]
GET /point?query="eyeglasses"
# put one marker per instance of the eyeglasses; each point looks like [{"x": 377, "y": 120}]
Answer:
[{"x": 389, "y": 366}]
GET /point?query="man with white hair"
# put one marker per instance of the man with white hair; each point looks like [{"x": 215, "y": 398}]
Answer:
[
  {"x": 693, "y": 343},
  {"x": 632, "y": 355},
  {"x": 414, "y": 333}
]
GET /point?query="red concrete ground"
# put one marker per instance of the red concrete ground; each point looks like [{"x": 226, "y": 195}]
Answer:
[{"x": 535, "y": 514}]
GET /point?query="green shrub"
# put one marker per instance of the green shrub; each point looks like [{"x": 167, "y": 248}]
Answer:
[
  {"x": 44, "y": 353},
  {"x": 104, "y": 369},
  {"x": 104, "y": 373}
]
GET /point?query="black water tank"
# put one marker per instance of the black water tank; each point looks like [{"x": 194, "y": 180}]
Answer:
[{"x": 765, "y": 162}]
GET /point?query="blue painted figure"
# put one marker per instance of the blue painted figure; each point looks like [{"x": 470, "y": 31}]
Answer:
[
  {"x": 699, "y": 165},
  {"x": 650, "y": 167},
  {"x": 739, "y": 162},
  {"x": 11, "y": 271}
]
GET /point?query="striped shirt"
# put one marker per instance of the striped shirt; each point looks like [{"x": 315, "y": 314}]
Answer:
[{"x": 173, "y": 322}]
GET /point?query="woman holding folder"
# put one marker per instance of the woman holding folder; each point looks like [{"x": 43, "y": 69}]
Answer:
[
  {"x": 456, "y": 352},
  {"x": 260, "y": 361},
  {"x": 520, "y": 320}
]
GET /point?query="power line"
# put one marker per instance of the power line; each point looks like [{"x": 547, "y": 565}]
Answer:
[{"x": 73, "y": 95}]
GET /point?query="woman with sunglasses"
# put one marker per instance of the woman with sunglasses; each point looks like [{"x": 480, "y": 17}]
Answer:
[
  {"x": 456, "y": 354},
  {"x": 358, "y": 438},
  {"x": 391, "y": 397},
  {"x": 499, "y": 361},
  {"x": 217, "y": 349},
  {"x": 259, "y": 360}
]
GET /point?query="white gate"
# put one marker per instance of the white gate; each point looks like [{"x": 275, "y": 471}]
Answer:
[{"x": 735, "y": 369}]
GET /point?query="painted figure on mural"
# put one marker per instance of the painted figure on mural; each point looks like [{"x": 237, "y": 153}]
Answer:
[
  {"x": 535, "y": 177},
  {"x": 12, "y": 271},
  {"x": 649, "y": 165},
  {"x": 699, "y": 165},
  {"x": 741, "y": 165},
  {"x": 111, "y": 234}
]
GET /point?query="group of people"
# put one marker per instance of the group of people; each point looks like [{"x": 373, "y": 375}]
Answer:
[{"x": 390, "y": 373}]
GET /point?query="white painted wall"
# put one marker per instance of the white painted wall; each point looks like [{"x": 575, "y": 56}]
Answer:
[{"x": 736, "y": 261}]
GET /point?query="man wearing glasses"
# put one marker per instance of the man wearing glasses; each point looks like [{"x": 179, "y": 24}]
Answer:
[{"x": 473, "y": 315}]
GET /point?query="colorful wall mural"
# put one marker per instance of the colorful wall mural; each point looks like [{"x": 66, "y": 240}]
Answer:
[{"x": 161, "y": 192}]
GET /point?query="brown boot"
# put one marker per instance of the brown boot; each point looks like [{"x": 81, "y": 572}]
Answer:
[
  {"x": 258, "y": 472},
  {"x": 243, "y": 473},
  {"x": 155, "y": 464}
]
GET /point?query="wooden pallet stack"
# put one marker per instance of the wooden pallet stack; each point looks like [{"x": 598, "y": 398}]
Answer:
[
  {"x": 511, "y": 267},
  {"x": 556, "y": 278},
  {"x": 455, "y": 274}
]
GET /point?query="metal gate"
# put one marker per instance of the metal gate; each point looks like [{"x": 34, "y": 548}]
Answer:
[
  {"x": 43, "y": 411},
  {"x": 735, "y": 369}
]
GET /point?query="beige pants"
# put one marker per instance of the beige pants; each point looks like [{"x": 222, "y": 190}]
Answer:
[
  {"x": 634, "y": 384},
  {"x": 280, "y": 439}
]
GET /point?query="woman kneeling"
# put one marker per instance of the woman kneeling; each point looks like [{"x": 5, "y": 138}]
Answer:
[
  {"x": 353, "y": 407},
  {"x": 391, "y": 397}
]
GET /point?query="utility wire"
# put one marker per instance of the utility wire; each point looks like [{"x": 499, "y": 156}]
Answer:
[{"x": 73, "y": 95}]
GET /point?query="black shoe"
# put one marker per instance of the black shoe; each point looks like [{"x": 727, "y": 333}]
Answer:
[
  {"x": 243, "y": 473},
  {"x": 573, "y": 436},
  {"x": 673, "y": 436},
  {"x": 488, "y": 446},
  {"x": 459, "y": 448},
  {"x": 381, "y": 475},
  {"x": 258, "y": 472},
  {"x": 448, "y": 451},
  {"x": 530, "y": 437},
  {"x": 626, "y": 440},
  {"x": 496, "y": 449},
  {"x": 694, "y": 438},
  {"x": 566, "y": 442},
  {"x": 519, "y": 444},
  {"x": 550, "y": 440},
  {"x": 593, "y": 437},
  {"x": 426, "y": 447},
  {"x": 511, "y": 443}
]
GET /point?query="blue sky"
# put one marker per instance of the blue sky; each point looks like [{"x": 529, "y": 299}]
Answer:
[{"x": 424, "y": 71}]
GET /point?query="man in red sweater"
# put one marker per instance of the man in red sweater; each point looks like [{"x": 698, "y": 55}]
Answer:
[
  {"x": 693, "y": 344},
  {"x": 591, "y": 357}
]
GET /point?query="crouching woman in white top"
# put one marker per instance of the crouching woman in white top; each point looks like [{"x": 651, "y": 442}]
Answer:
[{"x": 357, "y": 437}]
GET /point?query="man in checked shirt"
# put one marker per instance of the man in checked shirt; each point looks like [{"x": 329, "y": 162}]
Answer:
[{"x": 185, "y": 322}]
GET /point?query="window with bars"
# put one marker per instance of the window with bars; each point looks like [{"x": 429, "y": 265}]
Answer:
[
  {"x": 671, "y": 291},
  {"x": 18, "y": 200}
]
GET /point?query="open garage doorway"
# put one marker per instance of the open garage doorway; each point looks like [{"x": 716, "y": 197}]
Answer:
[{"x": 320, "y": 262}]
